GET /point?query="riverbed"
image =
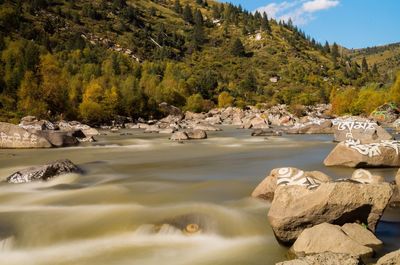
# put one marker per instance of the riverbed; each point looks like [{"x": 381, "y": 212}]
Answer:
[{"x": 135, "y": 184}]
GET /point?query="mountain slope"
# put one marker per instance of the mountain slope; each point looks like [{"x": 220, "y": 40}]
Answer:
[{"x": 92, "y": 60}]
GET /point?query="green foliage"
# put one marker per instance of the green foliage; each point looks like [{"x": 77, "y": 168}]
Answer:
[
  {"x": 195, "y": 103},
  {"x": 395, "y": 90},
  {"x": 237, "y": 48}
]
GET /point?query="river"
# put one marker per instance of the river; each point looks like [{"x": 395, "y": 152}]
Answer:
[{"x": 136, "y": 184}]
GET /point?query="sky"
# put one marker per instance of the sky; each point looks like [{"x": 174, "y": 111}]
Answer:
[{"x": 351, "y": 23}]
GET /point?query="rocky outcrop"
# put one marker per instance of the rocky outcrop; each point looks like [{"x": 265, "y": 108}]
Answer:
[
  {"x": 44, "y": 172},
  {"x": 386, "y": 113},
  {"x": 13, "y": 136},
  {"x": 327, "y": 237},
  {"x": 352, "y": 153},
  {"x": 392, "y": 258},
  {"x": 170, "y": 109},
  {"x": 327, "y": 258},
  {"x": 364, "y": 130},
  {"x": 31, "y": 123},
  {"x": 61, "y": 139},
  {"x": 296, "y": 208},
  {"x": 75, "y": 126},
  {"x": 287, "y": 176}
]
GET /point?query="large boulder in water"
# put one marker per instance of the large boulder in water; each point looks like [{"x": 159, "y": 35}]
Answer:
[
  {"x": 364, "y": 130},
  {"x": 197, "y": 134},
  {"x": 287, "y": 176},
  {"x": 44, "y": 172},
  {"x": 313, "y": 126},
  {"x": 60, "y": 138},
  {"x": 13, "y": 136},
  {"x": 327, "y": 237},
  {"x": 352, "y": 153},
  {"x": 296, "y": 208},
  {"x": 179, "y": 136},
  {"x": 75, "y": 126},
  {"x": 326, "y": 258},
  {"x": 30, "y": 123}
]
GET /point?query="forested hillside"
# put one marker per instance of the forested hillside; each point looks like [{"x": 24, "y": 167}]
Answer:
[{"x": 93, "y": 60}]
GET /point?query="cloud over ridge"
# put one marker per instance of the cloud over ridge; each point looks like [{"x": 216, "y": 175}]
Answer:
[{"x": 300, "y": 11}]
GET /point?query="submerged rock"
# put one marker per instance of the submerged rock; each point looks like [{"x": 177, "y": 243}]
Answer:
[
  {"x": 266, "y": 132},
  {"x": 296, "y": 208},
  {"x": 352, "y": 153},
  {"x": 44, "y": 172}
]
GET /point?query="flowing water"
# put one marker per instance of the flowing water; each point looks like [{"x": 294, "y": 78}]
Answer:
[{"x": 140, "y": 191}]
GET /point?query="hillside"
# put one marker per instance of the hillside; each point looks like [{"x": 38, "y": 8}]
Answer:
[
  {"x": 386, "y": 58},
  {"x": 93, "y": 60}
]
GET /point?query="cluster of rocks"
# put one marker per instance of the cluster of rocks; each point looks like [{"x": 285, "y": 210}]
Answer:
[
  {"x": 325, "y": 220},
  {"x": 34, "y": 133}
]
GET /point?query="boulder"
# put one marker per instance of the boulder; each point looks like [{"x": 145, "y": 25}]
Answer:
[
  {"x": 170, "y": 109},
  {"x": 44, "y": 172},
  {"x": 167, "y": 131},
  {"x": 287, "y": 176},
  {"x": 328, "y": 237},
  {"x": 59, "y": 138},
  {"x": 13, "y": 136},
  {"x": 37, "y": 125},
  {"x": 386, "y": 113},
  {"x": 397, "y": 178},
  {"x": 259, "y": 123},
  {"x": 365, "y": 177},
  {"x": 214, "y": 120},
  {"x": 194, "y": 116},
  {"x": 352, "y": 153},
  {"x": 152, "y": 129},
  {"x": 197, "y": 134},
  {"x": 266, "y": 132},
  {"x": 361, "y": 235},
  {"x": 75, "y": 125},
  {"x": 296, "y": 208},
  {"x": 206, "y": 127},
  {"x": 315, "y": 126},
  {"x": 392, "y": 258},
  {"x": 179, "y": 136},
  {"x": 364, "y": 130},
  {"x": 326, "y": 258}
]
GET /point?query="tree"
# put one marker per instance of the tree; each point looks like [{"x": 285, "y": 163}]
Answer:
[
  {"x": 195, "y": 103},
  {"x": 188, "y": 14},
  {"x": 364, "y": 66},
  {"x": 327, "y": 48},
  {"x": 335, "y": 52},
  {"x": 178, "y": 7},
  {"x": 225, "y": 100},
  {"x": 265, "y": 23},
  {"x": 198, "y": 18},
  {"x": 31, "y": 96},
  {"x": 395, "y": 90},
  {"x": 54, "y": 84},
  {"x": 237, "y": 48}
]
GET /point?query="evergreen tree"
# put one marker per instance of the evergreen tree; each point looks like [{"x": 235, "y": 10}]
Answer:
[
  {"x": 237, "y": 48},
  {"x": 188, "y": 14},
  {"x": 327, "y": 48},
  {"x": 178, "y": 7},
  {"x": 375, "y": 70},
  {"x": 199, "y": 2},
  {"x": 198, "y": 18},
  {"x": 364, "y": 66},
  {"x": 265, "y": 23},
  {"x": 216, "y": 12}
]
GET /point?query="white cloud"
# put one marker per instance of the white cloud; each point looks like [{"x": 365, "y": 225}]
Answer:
[
  {"x": 300, "y": 11},
  {"x": 317, "y": 5}
]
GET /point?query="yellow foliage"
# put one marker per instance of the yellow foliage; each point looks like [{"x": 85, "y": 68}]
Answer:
[
  {"x": 395, "y": 90},
  {"x": 225, "y": 100}
]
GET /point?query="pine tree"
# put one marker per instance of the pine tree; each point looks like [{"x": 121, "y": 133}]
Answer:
[
  {"x": 216, "y": 12},
  {"x": 327, "y": 48},
  {"x": 364, "y": 66},
  {"x": 198, "y": 18},
  {"x": 188, "y": 14},
  {"x": 178, "y": 7},
  {"x": 237, "y": 48},
  {"x": 265, "y": 23}
]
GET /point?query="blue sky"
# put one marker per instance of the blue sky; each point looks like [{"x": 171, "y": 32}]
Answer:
[{"x": 352, "y": 23}]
